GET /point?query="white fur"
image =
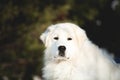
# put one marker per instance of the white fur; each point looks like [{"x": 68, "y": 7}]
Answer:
[{"x": 83, "y": 60}]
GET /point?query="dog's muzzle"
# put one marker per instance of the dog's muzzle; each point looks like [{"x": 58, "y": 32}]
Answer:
[{"x": 62, "y": 51}]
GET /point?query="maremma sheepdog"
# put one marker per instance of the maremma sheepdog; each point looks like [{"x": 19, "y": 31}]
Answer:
[{"x": 70, "y": 55}]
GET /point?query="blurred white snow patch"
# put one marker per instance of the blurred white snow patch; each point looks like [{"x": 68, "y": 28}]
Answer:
[
  {"x": 5, "y": 78},
  {"x": 36, "y": 77},
  {"x": 114, "y": 4},
  {"x": 98, "y": 22}
]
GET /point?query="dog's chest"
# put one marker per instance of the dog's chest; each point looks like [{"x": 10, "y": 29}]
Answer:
[
  {"x": 66, "y": 72},
  {"x": 57, "y": 72}
]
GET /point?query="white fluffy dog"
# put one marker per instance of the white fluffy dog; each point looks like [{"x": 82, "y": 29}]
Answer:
[{"x": 70, "y": 55}]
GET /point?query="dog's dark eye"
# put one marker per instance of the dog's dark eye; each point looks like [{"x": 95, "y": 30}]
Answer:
[
  {"x": 56, "y": 38},
  {"x": 69, "y": 38}
]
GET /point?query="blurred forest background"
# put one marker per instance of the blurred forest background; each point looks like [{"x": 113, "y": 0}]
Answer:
[{"x": 22, "y": 22}]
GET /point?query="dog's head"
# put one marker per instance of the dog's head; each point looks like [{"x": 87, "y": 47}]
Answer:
[{"x": 63, "y": 41}]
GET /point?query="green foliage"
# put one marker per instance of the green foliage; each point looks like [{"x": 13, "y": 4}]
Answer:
[{"x": 22, "y": 22}]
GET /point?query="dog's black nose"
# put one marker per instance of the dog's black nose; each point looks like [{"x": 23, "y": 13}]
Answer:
[{"x": 62, "y": 50}]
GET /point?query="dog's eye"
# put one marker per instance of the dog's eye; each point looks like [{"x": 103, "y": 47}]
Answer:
[
  {"x": 56, "y": 38},
  {"x": 69, "y": 38}
]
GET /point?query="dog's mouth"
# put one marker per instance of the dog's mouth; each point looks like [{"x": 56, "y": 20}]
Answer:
[
  {"x": 59, "y": 59},
  {"x": 61, "y": 56}
]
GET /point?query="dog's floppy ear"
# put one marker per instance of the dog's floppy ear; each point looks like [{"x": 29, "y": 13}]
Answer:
[
  {"x": 80, "y": 35},
  {"x": 45, "y": 35}
]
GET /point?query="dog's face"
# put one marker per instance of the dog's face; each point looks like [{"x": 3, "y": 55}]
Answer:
[{"x": 63, "y": 41}]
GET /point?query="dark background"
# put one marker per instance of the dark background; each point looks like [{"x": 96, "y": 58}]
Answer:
[{"x": 22, "y": 22}]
